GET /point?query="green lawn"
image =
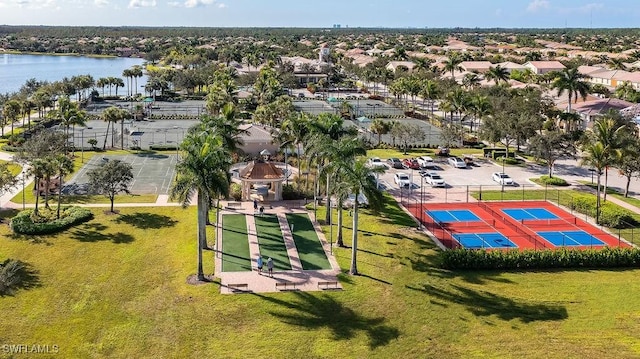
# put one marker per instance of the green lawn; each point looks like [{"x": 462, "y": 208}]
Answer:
[
  {"x": 236, "y": 256},
  {"x": 271, "y": 242},
  {"x": 14, "y": 168},
  {"x": 307, "y": 242},
  {"x": 116, "y": 287}
]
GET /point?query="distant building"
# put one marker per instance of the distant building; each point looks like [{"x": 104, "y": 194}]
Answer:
[{"x": 542, "y": 67}]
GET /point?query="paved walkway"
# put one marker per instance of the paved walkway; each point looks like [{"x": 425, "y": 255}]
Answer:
[{"x": 294, "y": 279}]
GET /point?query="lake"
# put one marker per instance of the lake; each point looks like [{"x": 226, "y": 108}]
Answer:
[{"x": 15, "y": 70}]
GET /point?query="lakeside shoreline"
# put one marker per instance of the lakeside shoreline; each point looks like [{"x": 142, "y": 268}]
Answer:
[{"x": 95, "y": 56}]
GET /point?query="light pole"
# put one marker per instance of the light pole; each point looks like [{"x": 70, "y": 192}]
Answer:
[
  {"x": 421, "y": 200},
  {"x": 504, "y": 159},
  {"x": 82, "y": 145}
]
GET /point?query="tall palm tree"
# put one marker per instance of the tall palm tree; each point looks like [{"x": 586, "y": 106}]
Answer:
[
  {"x": 128, "y": 74},
  {"x": 497, "y": 74},
  {"x": 480, "y": 106},
  {"x": 379, "y": 127},
  {"x": 471, "y": 81},
  {"x": 611, "y": 136},
  {"x": 64, "y": 165},
  {"x": 573, "y": 82},
  {"x": 429, "y": 91},
  {"x": 11, "y": 111},
  {"x": 597, "y": 157},
  {"x": 38, "y": 169},
  {"x": 113, "y": 114},
  {"x": 202, "y": 171},
  {"x": 360, "y": 179},
  {"x": 452, "y": 64},
  {"x": 293, "y": 132}
]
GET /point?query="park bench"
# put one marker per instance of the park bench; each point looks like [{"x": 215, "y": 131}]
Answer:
[
  {"x": 328, "y": 285},
  {"x": 234, "y": 205},
  {"x": 282, "y": 286},
  {"x": 238, "y": 287}
]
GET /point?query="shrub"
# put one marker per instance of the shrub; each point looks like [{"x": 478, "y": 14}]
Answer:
[
  {"x": 10, "y": 275},
  {"x": 532, "y": 259},
  {"x": 553, "y": 181},
  {"x": 235, "y": 191},
  {"x": 26, "y": 222},
  {"x": 610, "y": 215}
]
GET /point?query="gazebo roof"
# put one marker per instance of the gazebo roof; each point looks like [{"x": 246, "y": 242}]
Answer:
[{"x": 261, "y": 171}]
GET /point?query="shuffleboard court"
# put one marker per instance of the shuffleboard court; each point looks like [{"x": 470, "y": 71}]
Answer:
[
  {"x": 312, "y": 255},
  {"x": 152, "y": 173},
  {"x": 271, "y": 241},
  {"x": 236, "y": 256}
]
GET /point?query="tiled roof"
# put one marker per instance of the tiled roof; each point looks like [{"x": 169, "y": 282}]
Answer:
[{"x": 261, "y": 170}]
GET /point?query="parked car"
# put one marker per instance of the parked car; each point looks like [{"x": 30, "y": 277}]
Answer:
[
  {"x": 426, "y": 162},
  {"x": 402, "y": 180},
  {"x": 395, "y": 163},
  {"x": 434, "y": 179},
  {"x": 300, "y": 95},
  {"x": 442, "y": 151},
  {"x": 351, "y": 199},
  {"x": 411, "y": 163},
  {"x": 503, "y": 179},
  {"x": 376, "y": 162},
  {"x": 457, "y": 162}
]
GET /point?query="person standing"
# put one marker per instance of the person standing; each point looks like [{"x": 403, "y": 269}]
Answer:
[
  {"x": 255, "y": 205},
  {"x": 270, "y": 266},
  {"x": 259, "y": 263}
]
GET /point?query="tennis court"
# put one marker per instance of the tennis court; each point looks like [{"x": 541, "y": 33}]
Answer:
[
  {"x": 571, "y": 238},
  {"x": 152, "y": 173},
  {"x": 526, "y": 225},
  {"x": 484, "y": 240}
]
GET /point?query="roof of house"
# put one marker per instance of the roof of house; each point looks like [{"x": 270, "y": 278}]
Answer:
[
  {"x": 589, "y": 70},
  {"x": 258, "y": 170},
  {"x": 600, "y": 105},
  {"x": 548, "y": 65},
  {"x": 476, "y": 65},
  {"x": 511, "y": 65},
  {"x": 254, "y": 133},
  {"x": 394, "y": 65}
]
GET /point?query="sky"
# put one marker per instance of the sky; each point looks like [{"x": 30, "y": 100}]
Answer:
[{"x": 325, "y": 13}]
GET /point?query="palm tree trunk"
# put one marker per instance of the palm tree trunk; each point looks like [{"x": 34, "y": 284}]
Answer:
[
  {"x": 106, "y": 135},
  {"x": 606, "y": 182},
  {"x": 47, "y": 183},
  {"x": 327, "y": 218},
  {"x": 35, "y": 211},
  {"x": 202, "y": 231},
  {"x": 354, "y": 238},
  {"x": 598, "y": 198},
  {"x": 59, "y": 196},
  {"x": 339, "y": 240}
]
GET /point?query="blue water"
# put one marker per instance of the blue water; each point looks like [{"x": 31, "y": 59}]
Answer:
[{"x": 15, "y": 70}]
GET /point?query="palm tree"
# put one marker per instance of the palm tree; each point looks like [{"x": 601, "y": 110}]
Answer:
[
  {"x": 480, "y": 107},
  {"x": 38, "y": 169},
  {"x": 429, "y": 92},
  {"x": 128, "y": 74},
  {"x": 293, "y": 132},
  {"x": 379, "y": 127},
  {"x": 113, "y": 114},
  {"x": 610, "y": 135},
  {"x": 616, "y": 64},
  {"x": 471, "y": 81},
  {"x": 64, "y": 166},
  {"x": 452, "y": 64},
  {"x": 497, "y": 74},
  {"x": 136, "y": 72},
  {"x": 360, "y": 179},
  {"x": 598, "y": 158},
  {"x": 573, "y": 82},
  {"x": 202, "y": 171},
  {"x": 11, "y": 110}
]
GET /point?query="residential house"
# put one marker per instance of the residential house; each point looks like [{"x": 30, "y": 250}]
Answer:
[
  {"x": 542, "y": 67},
  {"x": 590, "y": 110},
  {"x": 393, "y": 65},
  {"x": 510, "y": 66},
  {"x": 476, "y": 66}
]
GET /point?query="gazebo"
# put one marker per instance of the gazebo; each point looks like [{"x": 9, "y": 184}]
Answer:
[{"x": 262, "y": 179}]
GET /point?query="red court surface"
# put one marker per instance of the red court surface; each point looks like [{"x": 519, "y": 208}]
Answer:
[{"x": 522, "y": 233}]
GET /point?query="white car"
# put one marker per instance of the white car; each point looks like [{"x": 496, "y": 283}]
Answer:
[
  {"x": 503, "y": 179},
  {"x": 376, "y": 162},
  {"x": 426, "y": 162},
  {"x": 457, "y": 162},
  {"x": 402, "y": 180},
  {"x": 434, "y": 179},
  {"x": 362, "y": 201}
]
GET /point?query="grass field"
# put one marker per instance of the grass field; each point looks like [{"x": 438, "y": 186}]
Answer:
[
  {"x": 14, "y": 168},
  {"x": 236, "y": 256},
  {"x": 116, "y": 287},
  {"x": 271, "y": 242},
  {"x": 308, "y": 244}
]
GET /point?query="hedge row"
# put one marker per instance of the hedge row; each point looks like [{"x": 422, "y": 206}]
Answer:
[
  {"x": 611, "y": 215},
  {"x": 163, "y": 147},
  {"x": 26, "y": 222},
  {"x": 541, "y": 259},
  {"x": 553, "y": 181}
]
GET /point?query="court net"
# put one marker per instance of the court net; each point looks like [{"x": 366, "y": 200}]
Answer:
[
  {"x": 548, "y": 222},
  {"x": 516, "y": 227}
]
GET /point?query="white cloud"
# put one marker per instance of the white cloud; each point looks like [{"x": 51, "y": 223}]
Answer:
[
  {"x": 536, "y": 5},
  {"x": 222, "y": 6},
  {"x": 36, "y": 4},
  {"x": 134, "y": 4},
  {"x": 173, "y": 4},
  {"x": 196, "y": 3},
  {"x": 101, "y": 3}
]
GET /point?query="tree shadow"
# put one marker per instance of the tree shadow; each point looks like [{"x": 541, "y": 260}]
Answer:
[
  {"x": 24, "y": 277},
  {"x": 325, "y": 312},
  {"x": 147, "y": 220},
  {"x": 482, "y": 303},
  {"x": 94, "y": 232}
]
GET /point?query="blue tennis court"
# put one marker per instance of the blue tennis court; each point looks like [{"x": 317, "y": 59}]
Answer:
[
  {"x": 571, "y": 238},
  {"x": 529, "y": 213},
  {"x": 484, "y": 240},
  {"x": 457, "y": 215}
]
